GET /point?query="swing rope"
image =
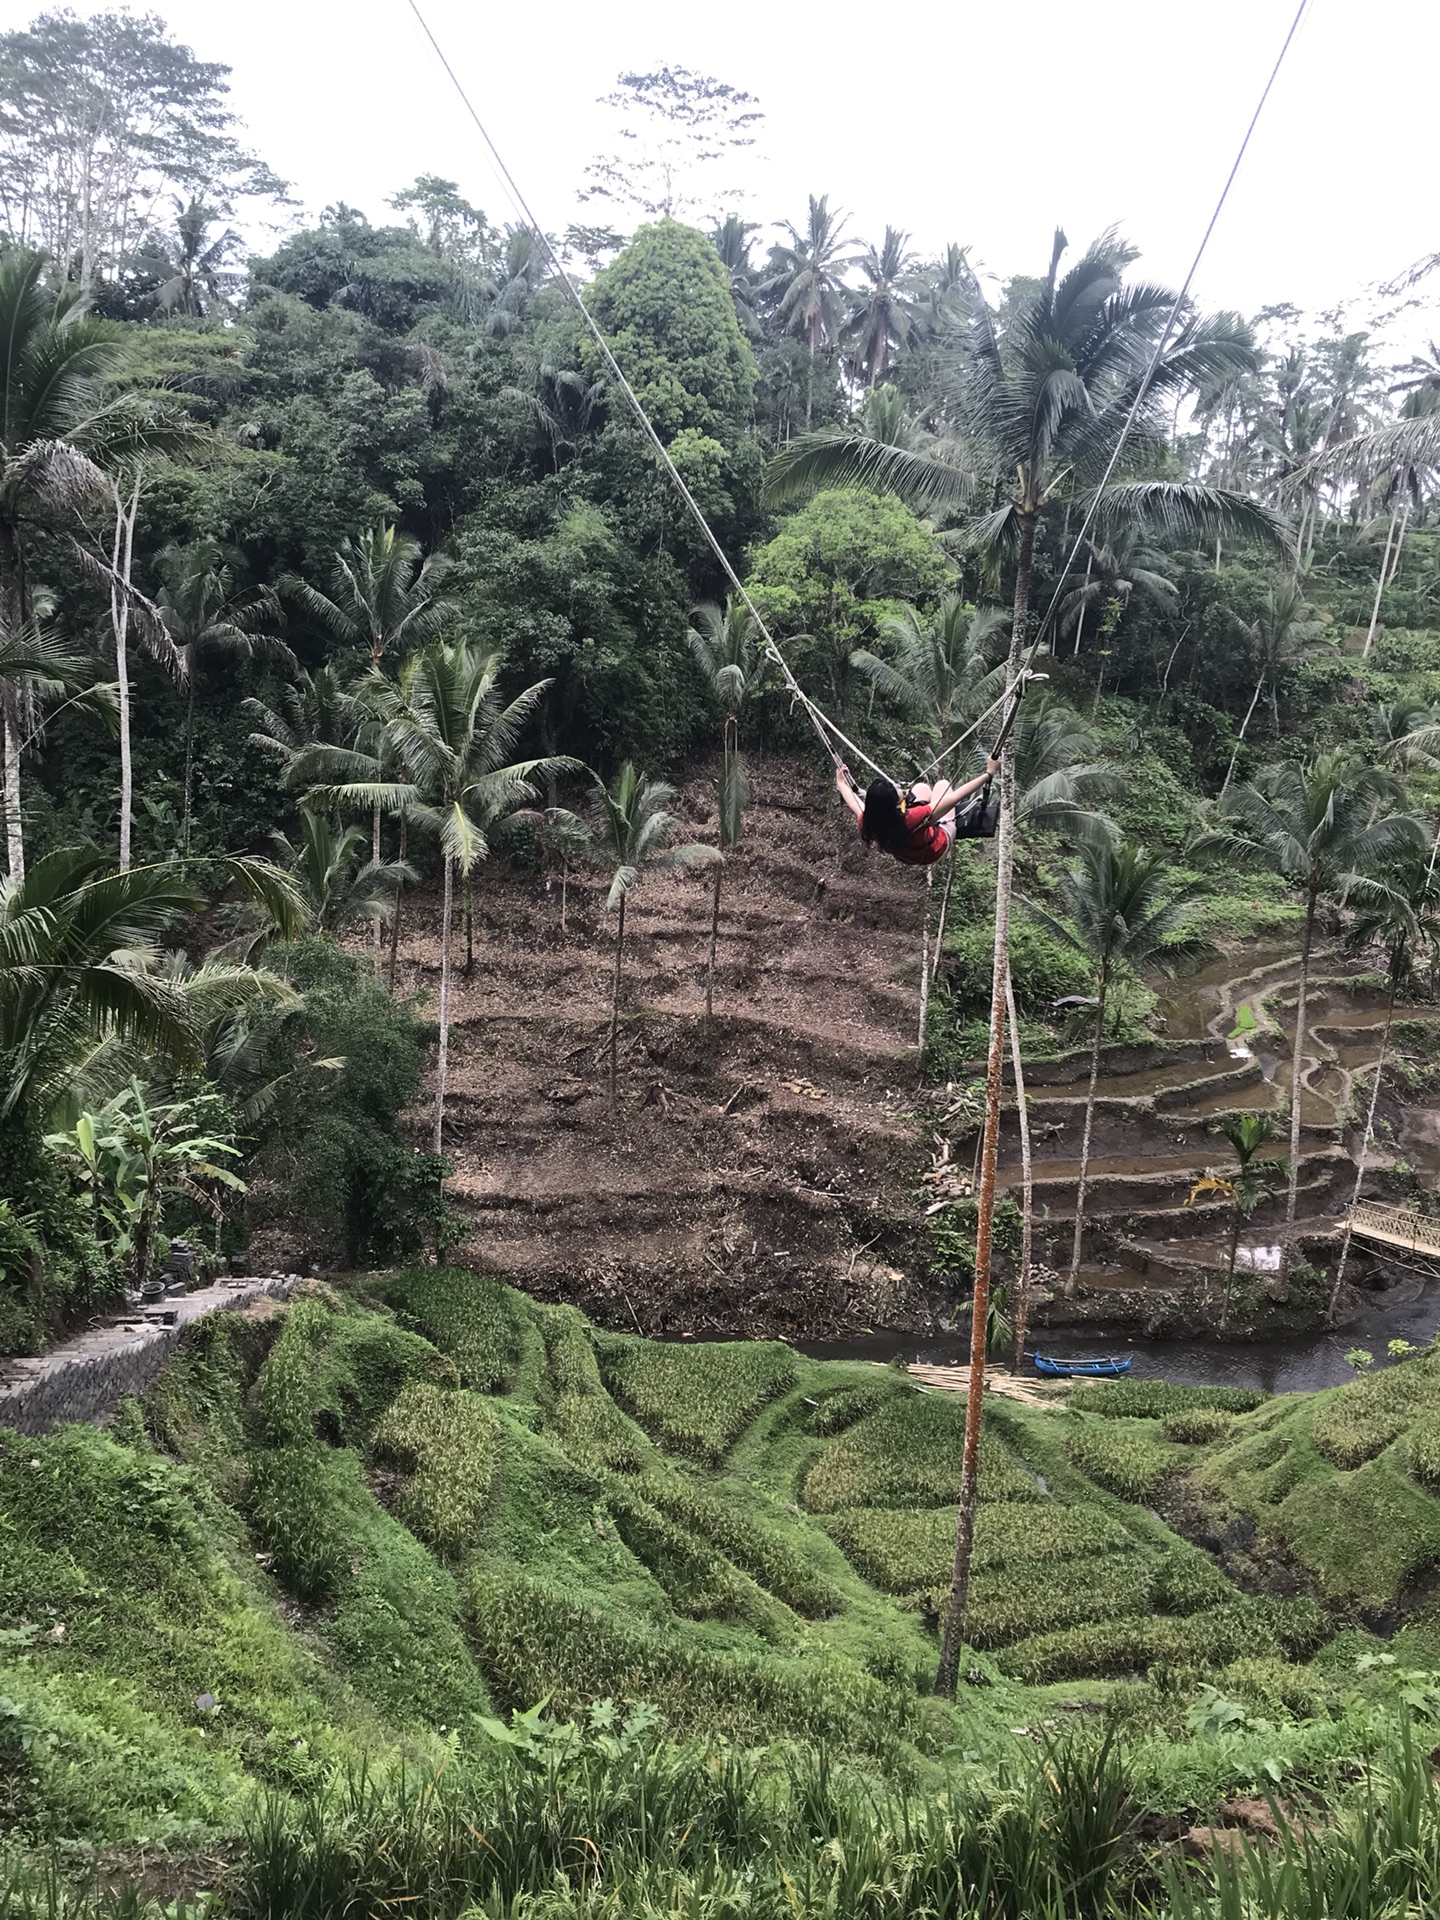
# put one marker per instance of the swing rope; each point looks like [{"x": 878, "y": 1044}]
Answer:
[{"x": 826, "y": 730}]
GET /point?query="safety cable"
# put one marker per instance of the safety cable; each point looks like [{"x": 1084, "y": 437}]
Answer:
[{"x": 1164, "y": 339}]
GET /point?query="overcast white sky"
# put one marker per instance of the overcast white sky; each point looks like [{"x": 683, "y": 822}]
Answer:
[{"x": 954, "y": 119}]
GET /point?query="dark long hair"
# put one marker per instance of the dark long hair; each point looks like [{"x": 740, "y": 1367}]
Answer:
[{"x": 884, "y": 816}]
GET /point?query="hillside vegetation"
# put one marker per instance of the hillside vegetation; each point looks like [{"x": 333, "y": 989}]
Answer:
[{"x": 422, "y": 1528}]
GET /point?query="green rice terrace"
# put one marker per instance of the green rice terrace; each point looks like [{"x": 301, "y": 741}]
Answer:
[{"x": 423, "y": 1597}]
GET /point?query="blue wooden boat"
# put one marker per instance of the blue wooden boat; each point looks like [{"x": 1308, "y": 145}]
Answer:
[{"x": 1058, "y": 1369}]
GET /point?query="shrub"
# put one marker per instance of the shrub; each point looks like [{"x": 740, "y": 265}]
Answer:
[
  {"x": 760, "y": 1550},
  {"x": 1154, "y": 1399},
  {"x": 330, "y": 1375},
  {"x": 1355, "y": 1423},
  {"x": 1214, "y": 1637},
  {"x": 901, "y": 1551},
  {"x": 590, "y": 1425},
  {"x": 699, "y": 1399},
  {"x": 1188, "y": 1580},
  {"x": 697, "y": 1581},
  {"x": 843, "y": 1406},
  {"x": 1424, "y": 1450},
  {"x": 1129, "y": 1464},
  {"x": 538, "y": 1643},
  {"x": 908, "y": 1454},
  {"x": 449, "y": 1442},
  {"x": 331, "y": 1157},
  {"x": 1197, "y": 1427},
  {"x": 469, "y": 1316}
]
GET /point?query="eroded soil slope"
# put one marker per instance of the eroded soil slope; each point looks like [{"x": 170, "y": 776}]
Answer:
[{"x": 758, "y": 1174}]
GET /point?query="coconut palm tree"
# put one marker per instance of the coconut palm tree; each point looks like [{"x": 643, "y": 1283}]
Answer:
[
  {"x": 1115, "y": 569},
  {"x": 206, "y": 611},
  {"x": 882, "y": 309},
  {"x": 1400, "y": 914},
  {"x": 1325, "y": 825},
  {"x": 1244, "y": 1185},
  {"x": 334, "y": 876},
  {"x": 806, "y": 283},
  {"x": 383, "y": 598},
  {"x": 449, "y": 732},
  {"x": 195, "y": 272},
  {"x": 1282, "y": 636},
  {"x": 635, "y": 834},
  {"x": 76, "y": 944},
  {"x": 1124, "y": 910},
  {"x": 727, "y": 651},
  {"x": 36, "y": 671}
]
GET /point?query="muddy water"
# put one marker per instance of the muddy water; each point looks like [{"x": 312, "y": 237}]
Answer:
[{"x": 1275, "y": 1366}]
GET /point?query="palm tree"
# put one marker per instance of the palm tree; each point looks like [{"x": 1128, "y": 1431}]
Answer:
[
  {"x": 727, "y": 651},
  {"x": 76, "y": 942},
  {"x": 881, "y": 311},
  {"x": 1398, "y": 914},
  {"x": 1324, "y": 826},
  {"x": 35, "y": 672},
  {"x": 57, "y": 416},
  {"x": 1124, "y": 911},
  {"x": 1115, "y": 569},
  {"x": 635, "y": 834},
  {"x": 806, "y": 285},
  {"x": 1244, "y": 1185},
  {"x": 194, "y": 271},
  {"x": 337, "y": 880},
  {"x": 1281, "y": 637},
  {"x": 449, "y": 732},
  {"x": 205, "y": 611},
  {"x": 732, "y": 242},
  {"x": 383, "y": 598}
]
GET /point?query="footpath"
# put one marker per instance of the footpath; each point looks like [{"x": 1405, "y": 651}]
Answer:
[{"x": 87, "y": 1377}]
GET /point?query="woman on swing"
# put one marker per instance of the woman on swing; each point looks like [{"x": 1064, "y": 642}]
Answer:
[{"x": 916, "y": 827}]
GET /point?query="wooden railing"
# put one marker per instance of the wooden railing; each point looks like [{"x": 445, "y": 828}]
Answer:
[{"x": 1396, "y": 1227}]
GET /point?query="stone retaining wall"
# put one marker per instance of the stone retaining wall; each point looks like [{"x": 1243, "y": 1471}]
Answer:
[{"x": 90, "y": 1375}]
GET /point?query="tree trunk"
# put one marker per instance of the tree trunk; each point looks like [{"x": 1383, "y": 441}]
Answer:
[
  {"x": 399, "y": 909},
  {"x": 120, "y": 568},
  {"x": 714, "y": 939},
  {"x": 564, "y": 891},
  {"x": 469, "y": 928},
  {"x": 1072, "y": 1278},
  {"x": 189, "y": 761},
  {"x": 1360, "y": 1169},
  {"x": 14, "y": 827},
  {"x": 375, "y": 858},
  {"x": 1027, "y": 1189},
  {"x": 948, "y": 1670},
  {"x": 443, "y": 1062},
  {"x": 1297, "y": 1063},
  {"x": 1240, "y": 737},
  {"x": 1381, "y": 578},
  {"x": 1230, "y": 1267},
  {"x": 615, "y": 1002}
]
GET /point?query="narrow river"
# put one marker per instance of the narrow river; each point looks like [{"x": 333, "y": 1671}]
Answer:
[{"x": 1276, "y": 1366}]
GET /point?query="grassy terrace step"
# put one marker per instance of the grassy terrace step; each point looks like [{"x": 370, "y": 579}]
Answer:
[{"x": 381, "y": 1516}]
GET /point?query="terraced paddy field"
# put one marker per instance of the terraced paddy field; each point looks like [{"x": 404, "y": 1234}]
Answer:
[{"x": 364, "y": 1533}]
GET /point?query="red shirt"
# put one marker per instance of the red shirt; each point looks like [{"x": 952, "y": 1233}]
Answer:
[{"x": 926, "y": 840}]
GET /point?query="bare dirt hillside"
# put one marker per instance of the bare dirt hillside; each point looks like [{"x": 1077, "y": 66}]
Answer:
[{"x": 759, "y": 1174}]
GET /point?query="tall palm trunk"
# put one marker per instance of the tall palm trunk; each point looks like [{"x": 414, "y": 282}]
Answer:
[
  {"x": 1360, "y": 1168},
  {"x": 1027, "y": 1186},
  {"x": 615, "y": 1001},
  {"x": 1072, "y": 1278},
  {"x": 714, "y": 941},
  {"x": 189, "y": 763},
  {"x": 399, "y": 908},
  {"x": 375, "y": 857},
  {"x": 14, "y": 829},
  {"x": 1230, "y": 1266},
  {"x": 1297, "y": 1063},
  {"x": 1240, "y": 737},
  {"x": 120, "y": 569},
  {"x": 948, "y": 1669},
  {"x": 443, "y": 1062},
  {"x": 469, "y": 928}
]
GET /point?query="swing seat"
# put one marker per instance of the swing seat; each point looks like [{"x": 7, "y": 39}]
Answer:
[{"x": 979, "y": 817}]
